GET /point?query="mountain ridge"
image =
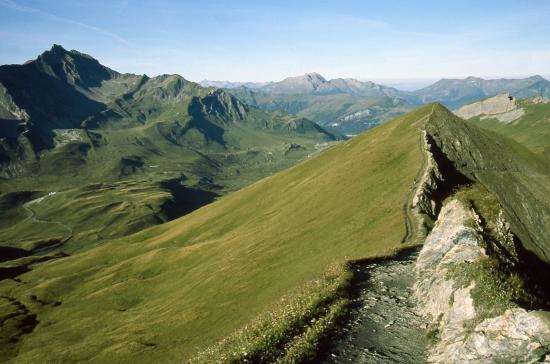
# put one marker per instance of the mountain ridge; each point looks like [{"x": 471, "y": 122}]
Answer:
[
  {"x": 114, "y": 135},
  {"x": 454, "y": 92}
]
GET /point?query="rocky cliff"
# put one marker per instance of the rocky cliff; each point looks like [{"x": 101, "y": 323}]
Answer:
[
  {"x": 455, "y": 297},
  {"x": 476, "y": 285}
]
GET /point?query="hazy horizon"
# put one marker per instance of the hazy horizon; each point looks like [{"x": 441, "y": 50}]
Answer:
[
  {"x": 405, "y": 84},
  {"x": 410, "y": 45}
]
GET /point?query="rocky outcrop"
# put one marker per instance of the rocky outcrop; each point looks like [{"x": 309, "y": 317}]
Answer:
[
  {"x": 460, "y": 330},
  {"x": 9, "y": 109},
  {"x": 438, "y": 180},
  {"x": 519, "y": 184},
  {"x": 219, "y": 105},
  {"x": 502, "y": 107},
  {"x": 429, "y": 181}
]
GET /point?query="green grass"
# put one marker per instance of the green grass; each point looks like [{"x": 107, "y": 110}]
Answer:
[
  {"x": 531, "y": 130},
  {"x": 172, "y": 290},
  {"x": 291, "y": 331},
  {"x": 110, "y": 183},
  {"x": 494, "y": 292},
  {"x": 94, "y": 212}
]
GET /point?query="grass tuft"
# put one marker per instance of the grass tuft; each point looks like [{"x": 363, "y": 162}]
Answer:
[{"x": 290, "y": 332}]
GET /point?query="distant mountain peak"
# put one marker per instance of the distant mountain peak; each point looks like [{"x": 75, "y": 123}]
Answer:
[
  {"x": 306, "y": 83},
  {"x": 57, "y": 48},
  {"x": 314, "y": 76},
  {"x": 537, "y": 78},
  {"x": 55, "y": 53},
  {"x": 73, "y": 66},
  {"x": 311, "y": 77}
]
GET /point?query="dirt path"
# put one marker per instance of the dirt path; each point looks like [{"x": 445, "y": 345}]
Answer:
[
  {"x": 382, "y": 327},
  {"x": 32, "y": 216}
]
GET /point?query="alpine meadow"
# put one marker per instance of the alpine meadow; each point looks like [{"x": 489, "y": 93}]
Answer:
[{"x": 275, "y": 182}]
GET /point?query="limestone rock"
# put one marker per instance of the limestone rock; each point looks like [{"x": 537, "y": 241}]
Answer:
[
  {"x": 498, "y": 104},
  {"x": 515, "y": 336}
]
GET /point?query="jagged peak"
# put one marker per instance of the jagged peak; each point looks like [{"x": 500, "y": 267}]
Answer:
[
  {"x": 73, "y": 67},
  {"x": 315, "y": 76},
  {"x": 59, "y": 52},
  {"x": 167, "y": 78},
  {"x": 56, "y": 48},
  {"x": 219, "y": 104}
]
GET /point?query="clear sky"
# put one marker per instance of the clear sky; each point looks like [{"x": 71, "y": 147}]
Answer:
[{"x": 240, "y": 40}]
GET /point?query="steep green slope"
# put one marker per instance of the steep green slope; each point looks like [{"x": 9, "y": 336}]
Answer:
[{"x": 170, "y": 290}]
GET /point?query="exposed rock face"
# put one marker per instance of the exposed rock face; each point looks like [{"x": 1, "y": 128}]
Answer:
[
  {"x": 515, "y": 336},
  {"x": 507, "y": 117},
  {"x": 428, "y": 183},
  {"x": 502, "y": 107},
  {"x": 8, "y": 108}
]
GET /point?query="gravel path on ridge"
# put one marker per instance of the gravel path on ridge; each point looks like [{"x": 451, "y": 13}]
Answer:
[{"x": 382, "y": 326}]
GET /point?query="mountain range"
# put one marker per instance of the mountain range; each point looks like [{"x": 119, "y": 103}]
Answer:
[
  {"x": 346, "y": 106},
  {"x": 457, "y": 92},
  {"x": 350, "y": 106},
  {"x": 70, "y": 124}
]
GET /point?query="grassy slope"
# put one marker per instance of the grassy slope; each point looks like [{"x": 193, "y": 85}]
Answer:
[
  {"x": 136, "y": 201},
  {"x": 531, "y": 130},
  {"x": 167, "y": 291}
]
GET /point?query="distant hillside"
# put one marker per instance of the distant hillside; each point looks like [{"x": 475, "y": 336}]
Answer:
[
  {"x": 454, "y": 93},
  {"x": 345, "y": 105},
  {"x": 350, "y": 106},
  {"x": 73, "y": 126}
]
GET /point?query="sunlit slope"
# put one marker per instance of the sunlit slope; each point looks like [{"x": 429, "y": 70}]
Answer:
[
  {"x": 532, "y": 129},
  {"x": 163, "y": 293}
]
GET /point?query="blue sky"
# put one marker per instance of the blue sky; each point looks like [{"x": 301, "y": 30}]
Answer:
[{"x": 269, "y": 40}]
